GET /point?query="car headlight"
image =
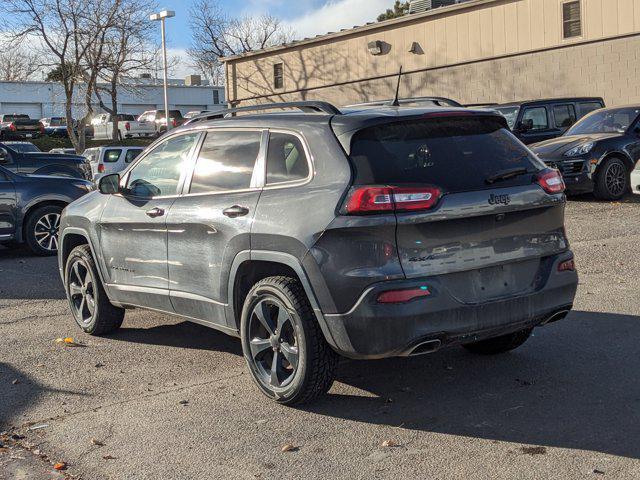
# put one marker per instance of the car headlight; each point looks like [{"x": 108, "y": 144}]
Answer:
[{"x": 580, "y": 149}]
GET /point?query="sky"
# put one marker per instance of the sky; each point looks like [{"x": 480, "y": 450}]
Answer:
[{"x": 306, "y": 18}]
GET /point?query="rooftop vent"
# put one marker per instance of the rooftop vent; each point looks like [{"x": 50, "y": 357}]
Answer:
[
  {"x": 193, "y": 80},
  {"x": 418, "y": 6},
  {"x": 145, "y": 75}
]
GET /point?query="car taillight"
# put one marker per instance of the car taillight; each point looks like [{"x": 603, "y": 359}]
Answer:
[
  {"x": 127, "y": 126},
  {"x": 567, "y": 266},
  {"x": 12, "y": 127},
  {"x": 388, "y": 199},
  {"x": 174, "y": 122},
  {"x": 551, "y": 181},
  {"x": 403, "y": 296},
  {"x": 101, "y": 168}
]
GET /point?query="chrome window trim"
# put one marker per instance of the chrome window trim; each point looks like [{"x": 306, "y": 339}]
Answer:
[{"x": 307, "y": 152}]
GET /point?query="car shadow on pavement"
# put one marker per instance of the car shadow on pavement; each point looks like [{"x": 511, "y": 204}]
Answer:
[
  {"x": 24, "y": 275},
  {"x": 573, "y": 385},
  {"x": 589, "y": 198},
  {"x": 18, "y": 392},
  {"x": 180, "y": 335}
]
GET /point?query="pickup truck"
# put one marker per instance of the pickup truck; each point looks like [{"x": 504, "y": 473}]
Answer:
[
  {"x": 128, "y": 127},
  {"x": 56, "y": 164},
  {"x": 159, "y": 119},
  {"x": 19, "y": 127}
]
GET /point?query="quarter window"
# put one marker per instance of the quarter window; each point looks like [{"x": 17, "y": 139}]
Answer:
[
  {"x": 226, "y": 161},
  {"x": 565, "y": 115},
  {"x": 286, "y": 160},
  {"x": 588, "y": 107},
  {"x": 132, "y": 155},
  {"x": 278, "y": 75},
  {"x": 535, "y": 119},
  {"x": 112, "y": 156},
  {"x": 571, "y": 19},
  {"x": 158, "y": 173}
]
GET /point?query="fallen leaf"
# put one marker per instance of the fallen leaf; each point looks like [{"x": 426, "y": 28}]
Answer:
[
  {"x": 184, "y": 402},
  {"x": 598, "y": 472},
  {"x": 60, "y": 466},
  {"x": 16, "y": 381},
  {"x": 109, "y": 457},
  {"x": 287, "y": 447},
  {"x": 38, "y": 427},
  {"x": 99, "y": 365},
  {"x": 390, "y": 444},
  {"x": 97, "y": 442},
  {"x": 68, "y": 341}
]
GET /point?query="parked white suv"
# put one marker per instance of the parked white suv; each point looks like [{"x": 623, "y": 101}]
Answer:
[
  {"x": 128, "y": 127},
  {"x": 107, "y": 160}
]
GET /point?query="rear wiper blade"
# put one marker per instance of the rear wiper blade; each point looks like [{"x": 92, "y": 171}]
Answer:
[{"x": 506, "y": 174}]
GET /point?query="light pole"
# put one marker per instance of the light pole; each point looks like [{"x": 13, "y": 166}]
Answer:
[{"x": 164, "y": 14}]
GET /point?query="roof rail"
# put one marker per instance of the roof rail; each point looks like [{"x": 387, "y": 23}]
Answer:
[
  {"x": 306, "y": 106},
  {"x": 440, "y": 101}
]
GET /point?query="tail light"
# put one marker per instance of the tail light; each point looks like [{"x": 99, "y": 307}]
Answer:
[
  {"x": 101, "y": 168},
  {"x": 391, "y": 199},
  {"x": 12, "y": 127},
  {"x": 127, "y": 126},
  {"x": 403, "y": 296},
  {"x": 174, "y": 122},
  {"x": 567, "y": 266},
  {"x": 551, "y": 181}
]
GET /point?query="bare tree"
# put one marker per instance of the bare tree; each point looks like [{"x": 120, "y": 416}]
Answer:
[
  {"x": 71, "y": 35},
  {"x": 216, "y": 35},
  {"x": 17, "y": 64}
]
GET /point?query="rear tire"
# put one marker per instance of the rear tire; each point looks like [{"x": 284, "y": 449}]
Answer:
[
  {"x": 502, "y": 344},
  {"x": 88, "y": 301},
  {"x": 612, "y": 180},
  {"x": 41, "y": 230},
  {"x": 285, "y": 349}
]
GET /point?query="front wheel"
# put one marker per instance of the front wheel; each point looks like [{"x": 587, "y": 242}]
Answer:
[
  {"x": 502, "y": 344},
  {"x": 286, "y": 352},
  {"x": 89, "y": 303},
  {"x": 41, "y": 230},
  {"x": 612, "y": 180}
]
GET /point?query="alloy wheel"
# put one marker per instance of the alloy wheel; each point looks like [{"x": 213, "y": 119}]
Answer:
[
  {"x": 273, "y": 343},
  {"x": 46, "y": 231},
  {"x": 615, "y": 179},
  {"x": 81, "y": 292}
]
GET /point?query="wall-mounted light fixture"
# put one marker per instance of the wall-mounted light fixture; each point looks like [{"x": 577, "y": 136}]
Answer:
[
  {"x": 416, "y": 49},
  {"x": 375, "y": 47}
]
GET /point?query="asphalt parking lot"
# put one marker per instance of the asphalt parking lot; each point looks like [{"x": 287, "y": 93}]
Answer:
[{"x": 167, "y": 399}]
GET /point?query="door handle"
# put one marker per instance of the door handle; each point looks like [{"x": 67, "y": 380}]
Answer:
[
  {"x": 235, "y": 211},
  {"x": 155, "y": 212}
]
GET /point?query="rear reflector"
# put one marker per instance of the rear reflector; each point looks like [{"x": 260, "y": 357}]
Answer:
[
  {"x": 551, "y": 181},
  {"x": 101, "y": 168},
  {"x": 127, "y": 126},
  {"x": 403, "y": 296},
  {"x": 388, "y": 199},
  {"x": 567, "y": 266}
]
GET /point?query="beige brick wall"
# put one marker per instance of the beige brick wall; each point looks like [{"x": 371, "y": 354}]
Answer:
[{"x": 609, "y": 68}]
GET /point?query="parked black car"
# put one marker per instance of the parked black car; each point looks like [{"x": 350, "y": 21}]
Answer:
[
  {"x": 598, "y": 153},
  {"x": 369, "y": 233},
  {"x": 19, "y": 127},
  {"x": 44, "y": 163},
  {"x": 537, "y": 120},
  {"x": 31, "y": 205},
  {"x": 22, "y": 147}
]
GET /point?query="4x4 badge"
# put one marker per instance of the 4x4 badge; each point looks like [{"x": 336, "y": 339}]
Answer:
[{"x": 504, "y": 199}]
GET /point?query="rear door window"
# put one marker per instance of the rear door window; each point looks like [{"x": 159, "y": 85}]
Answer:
[
  {"x": 226, "y": 161},
  {"x": 286, "y": 159},
  {"x": 455, "y": 154},
  {"x": 565, "y": 115},
  {"x": 131, "y": 155},
  {"x": 112, "y": 155},
  {"x": 535, "y": 119}
]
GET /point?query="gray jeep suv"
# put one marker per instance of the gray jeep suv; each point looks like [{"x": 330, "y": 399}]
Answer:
[{"x": 367, "y": 233}]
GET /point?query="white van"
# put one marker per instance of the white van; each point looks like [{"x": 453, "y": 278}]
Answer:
[{"x": 106, "y": 160}]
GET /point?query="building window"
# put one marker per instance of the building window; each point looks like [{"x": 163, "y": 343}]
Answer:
[
  {"x": 571, "y": 19},
  {"x": 216, "y": 97},
  {"x": 278, "y": 75}
]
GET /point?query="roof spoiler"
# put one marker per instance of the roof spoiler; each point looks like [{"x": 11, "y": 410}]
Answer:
[{"x": 305, "y": 107}]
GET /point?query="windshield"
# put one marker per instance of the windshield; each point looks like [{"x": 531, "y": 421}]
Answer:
[
  {"x": 23, "y": 147},
  {"x": 13, "y": 118},
  {"x": 510, "y": 113},
  {"x": 614, "y": 120},
  {"x": 58, "y": 122}
]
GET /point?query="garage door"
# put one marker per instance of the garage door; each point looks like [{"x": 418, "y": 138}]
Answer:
[
  {"x": 190, "y": 108},
  {"x": 134, "y": 109},
  {"x": 34, "y": 110}
]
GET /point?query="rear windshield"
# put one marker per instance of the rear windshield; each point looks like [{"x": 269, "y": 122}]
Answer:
[
  {"x": 13, "y": 118},
  {"x": 455, "y": 154}
]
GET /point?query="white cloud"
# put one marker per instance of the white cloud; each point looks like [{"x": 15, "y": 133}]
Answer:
[{"x": 335, "y": 15}]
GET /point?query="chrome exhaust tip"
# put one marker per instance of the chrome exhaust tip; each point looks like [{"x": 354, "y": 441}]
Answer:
[
  {"x": 556, "y": 316},
  {"x": 424, "y": 348}
]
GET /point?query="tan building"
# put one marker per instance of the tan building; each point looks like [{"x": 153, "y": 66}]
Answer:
[{"x": 476, "y": 52}]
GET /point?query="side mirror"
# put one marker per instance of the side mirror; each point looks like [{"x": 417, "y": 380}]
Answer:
[
  {"x": 109, "y": 184},
  {"x": 525, "y": 125},
  {"x": 4, "y": 155}
]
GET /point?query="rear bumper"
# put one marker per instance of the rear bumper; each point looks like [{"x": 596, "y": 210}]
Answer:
[
  {"x": 26, "y": 135},
  {"x": 373, "y": 330},
  {"x": 635, "y": 181}
]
